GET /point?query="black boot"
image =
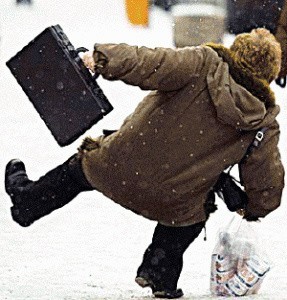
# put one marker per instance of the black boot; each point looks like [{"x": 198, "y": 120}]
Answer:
[
  {"x": 163, "y": 259},
  {"x": 35, "y": 199}
]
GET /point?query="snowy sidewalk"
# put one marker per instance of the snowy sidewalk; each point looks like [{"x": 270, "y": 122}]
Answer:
[{"x": 91, "y": 248}]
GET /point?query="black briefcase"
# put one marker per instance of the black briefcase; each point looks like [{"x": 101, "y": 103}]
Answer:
[{"x": 62, "y": 90}]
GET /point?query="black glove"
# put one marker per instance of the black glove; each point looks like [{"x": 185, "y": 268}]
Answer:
[
  {"x": 281, "y": 81},
  {"x": 250, "y": 218},
  {"x": 232, "y": 194}
]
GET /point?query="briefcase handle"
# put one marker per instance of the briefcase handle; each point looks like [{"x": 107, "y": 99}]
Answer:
[{"x": 80, "y": 49}]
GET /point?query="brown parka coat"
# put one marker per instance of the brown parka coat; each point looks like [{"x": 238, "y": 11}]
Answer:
[
  {"x": 281, "y": 36},
  {"x": 201, "y": 116}
]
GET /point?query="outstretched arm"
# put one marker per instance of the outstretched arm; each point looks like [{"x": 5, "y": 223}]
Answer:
[{"x": 161, "y": 69}]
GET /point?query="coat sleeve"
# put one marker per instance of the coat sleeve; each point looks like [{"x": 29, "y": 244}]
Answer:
[
  {"x": 161, "y": 69},
  {"x": 262, "y": 174},
  {"x": 281, "y": 36}
]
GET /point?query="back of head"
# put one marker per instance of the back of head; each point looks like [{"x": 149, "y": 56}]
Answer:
[{"x": 260, "y": 52}]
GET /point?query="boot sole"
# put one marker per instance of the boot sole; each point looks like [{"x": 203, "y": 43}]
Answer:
[
  {"x": 169, "y": 295},
  {"x": 18, "y": 218},
  {"x": 142, "y": 282},
  {"x": 159, "y": 294},
  {"x": 13, "y": 166}
]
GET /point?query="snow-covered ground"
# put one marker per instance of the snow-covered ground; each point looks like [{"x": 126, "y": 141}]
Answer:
[{"x": 91, "y": 248}]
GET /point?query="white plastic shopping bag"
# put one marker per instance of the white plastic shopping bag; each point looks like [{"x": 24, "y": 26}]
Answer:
[{"x": 238, "y": 263}]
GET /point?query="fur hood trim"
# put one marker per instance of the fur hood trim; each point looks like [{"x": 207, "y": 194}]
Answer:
[{"x": 243, "y": 75}]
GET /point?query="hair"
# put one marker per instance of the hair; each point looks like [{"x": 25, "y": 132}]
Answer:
[{"x": 260, "y": 52}]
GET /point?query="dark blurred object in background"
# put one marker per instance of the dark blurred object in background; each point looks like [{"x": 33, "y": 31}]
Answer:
[
  {"x": 242, "y": 15},
  {"x": 166, "y": 4},
  {"x": 23, "y": 1},
  {"x": 245, "y": 15}
]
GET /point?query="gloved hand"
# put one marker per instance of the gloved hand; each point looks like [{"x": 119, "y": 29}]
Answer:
[
  {"x": 247, "y": 216},
  {"x": 251, "y": 219},
  {"x": 281, "y": 81}
]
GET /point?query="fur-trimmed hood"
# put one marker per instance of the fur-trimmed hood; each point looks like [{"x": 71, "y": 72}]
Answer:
[{"x": 231, "y": 79}]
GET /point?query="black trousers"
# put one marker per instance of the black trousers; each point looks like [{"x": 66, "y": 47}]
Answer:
[{"x": 163, "y": 259}]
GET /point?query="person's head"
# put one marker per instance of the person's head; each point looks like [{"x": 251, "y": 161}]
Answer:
[{"x": 260, "y": 51}]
